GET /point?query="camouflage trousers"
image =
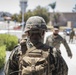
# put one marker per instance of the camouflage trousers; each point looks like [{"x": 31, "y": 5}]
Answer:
[{"x": 62, "y": 68}]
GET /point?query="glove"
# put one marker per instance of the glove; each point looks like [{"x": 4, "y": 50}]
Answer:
[{"x": 70, "y": 55}]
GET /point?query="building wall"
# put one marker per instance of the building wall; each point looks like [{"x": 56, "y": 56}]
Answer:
[{"x": 70, "y": 17}]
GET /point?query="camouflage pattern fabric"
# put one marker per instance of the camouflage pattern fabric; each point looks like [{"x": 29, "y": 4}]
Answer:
[
  {"x": 35, "y": 23},
  {"x": 56, "y": 42},
  {"x": 55, "y": 62},
  {"x": 72, "y": 34},
  {"x": 12, "y": 67}
]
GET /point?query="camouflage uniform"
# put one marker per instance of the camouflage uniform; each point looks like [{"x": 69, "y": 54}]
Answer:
[
  {"x": 56, "y": 42},
  {"x": 71, "y": 35},
  {"x": 12, "y": 67}
]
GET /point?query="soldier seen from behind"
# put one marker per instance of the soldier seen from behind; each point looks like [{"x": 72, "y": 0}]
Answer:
[{"x": 32, "y": 57}]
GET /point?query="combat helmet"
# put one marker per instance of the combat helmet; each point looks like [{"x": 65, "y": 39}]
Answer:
[{"x": 34, "y": 23}]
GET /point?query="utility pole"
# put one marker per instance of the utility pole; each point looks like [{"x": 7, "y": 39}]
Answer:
[
  {"x": 8, "y": 22},
  {"x": 23, "y": 5}
]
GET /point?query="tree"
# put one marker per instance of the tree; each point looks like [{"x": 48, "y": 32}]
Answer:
[
  {"x": 74, "y": 9},
  {"x": 15, "y": 17},
  {"x": 3, "y": 15},
  {"x": 27, "y": 15},
  {"x": 54, "y": 17},
  {"x": 38, "y": 11},
  {"x": 53, "y": 6},
  {"x": 43, "y": 12},
  {"x": 59, "y": 19}
]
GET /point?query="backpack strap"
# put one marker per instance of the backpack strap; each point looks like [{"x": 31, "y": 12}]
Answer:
[
  {"x": 27, "y": 51},
  {"x": 33, "y": 48}
]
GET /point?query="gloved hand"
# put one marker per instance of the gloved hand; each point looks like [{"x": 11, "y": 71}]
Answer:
[{"x": 70, "y": 55}]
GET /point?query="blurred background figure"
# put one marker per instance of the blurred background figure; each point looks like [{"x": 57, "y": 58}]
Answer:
[
  {"x": 55, "y": 40},
  {"x": 64, "y": 34},
  {"x": 71, "y": 36}
]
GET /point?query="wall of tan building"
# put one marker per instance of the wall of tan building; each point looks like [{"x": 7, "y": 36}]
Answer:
[{"x": 69, "y": 16}]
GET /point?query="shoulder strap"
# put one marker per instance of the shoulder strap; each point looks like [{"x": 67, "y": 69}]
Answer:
[
  {"x": 31, "y": 49},
  {"x": 34, "y": 47}
]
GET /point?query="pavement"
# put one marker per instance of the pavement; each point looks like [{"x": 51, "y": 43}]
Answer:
[{"x": 70, "y": 62}]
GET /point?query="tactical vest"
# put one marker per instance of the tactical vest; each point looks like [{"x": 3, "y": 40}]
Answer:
[{"x": 34, "y": 62}]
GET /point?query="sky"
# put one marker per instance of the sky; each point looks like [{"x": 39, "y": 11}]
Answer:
[{"x": 13, "y": 6}]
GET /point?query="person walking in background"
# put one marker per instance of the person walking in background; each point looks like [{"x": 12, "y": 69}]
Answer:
[
  {"x": 55, "y": 40},
  {"x": 71, "y": 36},
  {"x": 64, "y": 34}
]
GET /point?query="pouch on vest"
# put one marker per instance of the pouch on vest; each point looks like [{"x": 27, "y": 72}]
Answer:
[{"x": 34, "y": 62}]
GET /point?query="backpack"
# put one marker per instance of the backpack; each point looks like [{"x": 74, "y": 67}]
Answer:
[{"x": 34, "y": 62}]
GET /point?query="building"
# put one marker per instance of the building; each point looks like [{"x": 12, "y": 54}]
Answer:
[{"x": 70, "y": 18}]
